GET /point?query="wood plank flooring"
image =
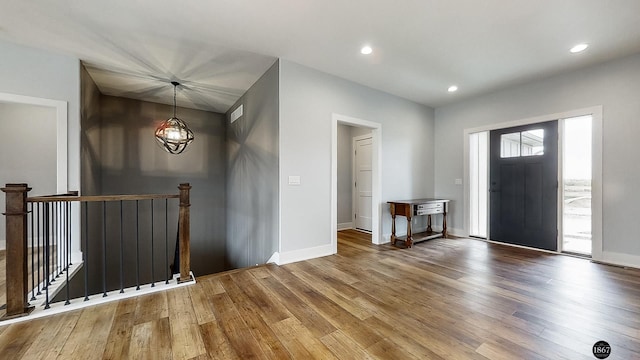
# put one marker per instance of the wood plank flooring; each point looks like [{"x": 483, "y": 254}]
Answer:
[
  {"x": 34, "y": 279},
  {"x": 441, "y": 299}
]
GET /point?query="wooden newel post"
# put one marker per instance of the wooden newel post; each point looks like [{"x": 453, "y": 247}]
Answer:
[
  {"x": 16, "y": 252},
  {"x": 184, "y": 233}
]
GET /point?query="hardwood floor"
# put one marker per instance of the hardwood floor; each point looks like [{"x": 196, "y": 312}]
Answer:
[
  {"x": 33, "y": 278},
  {"x": 441, "y": 299}
]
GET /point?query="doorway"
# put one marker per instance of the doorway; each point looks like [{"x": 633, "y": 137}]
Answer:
[
  {"x": 584, "y": 123},
  {"x": 523, "y": 185},
  {"x": 375, "y": 130}
]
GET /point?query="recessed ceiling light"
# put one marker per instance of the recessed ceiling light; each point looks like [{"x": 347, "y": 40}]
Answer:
[
  {"x": 578, "y": 48},
  {"x": 452, "y": 88},
  {"x": 366, "y": 50}
]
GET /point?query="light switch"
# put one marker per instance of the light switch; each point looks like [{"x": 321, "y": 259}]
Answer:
[
  {"x": 458, "y": 181},
  {"x": 294, "y": 180}
]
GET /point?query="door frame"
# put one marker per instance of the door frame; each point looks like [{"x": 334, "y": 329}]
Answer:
[
  {"x": 376, "y": 186},
  {"x": 596, "y": 179},
  {"x": 61, "y": 132},
  {"x": 354, "y": 195}
]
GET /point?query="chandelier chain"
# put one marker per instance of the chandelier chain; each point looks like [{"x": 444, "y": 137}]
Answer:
[{"x": 174, "y": 99}]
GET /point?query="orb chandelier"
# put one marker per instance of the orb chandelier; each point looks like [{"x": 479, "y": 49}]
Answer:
[{"x": 173, "y": 134}]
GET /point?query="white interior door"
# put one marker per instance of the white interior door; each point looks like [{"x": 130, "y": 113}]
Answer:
[{"x": 363, "y": 182}]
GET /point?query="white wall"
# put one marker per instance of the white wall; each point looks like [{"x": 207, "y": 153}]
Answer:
[
  {"x": 28, "y": 155},
  {"x": 41, "y": 74},
  {"x": 307, "y": 100},
  {"x": 614, "y": 85}
]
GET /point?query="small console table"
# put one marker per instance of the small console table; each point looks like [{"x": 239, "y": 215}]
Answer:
[{"x": 418, "y": 207}]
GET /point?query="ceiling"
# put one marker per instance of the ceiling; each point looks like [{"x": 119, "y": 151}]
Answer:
[{"x": 217, "y": 49}]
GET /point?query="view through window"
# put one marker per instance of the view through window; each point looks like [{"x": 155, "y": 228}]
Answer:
[{"x": 577, "y": 185}]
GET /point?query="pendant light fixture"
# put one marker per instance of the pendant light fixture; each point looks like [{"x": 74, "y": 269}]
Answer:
[{"x": 173, "y": 134}]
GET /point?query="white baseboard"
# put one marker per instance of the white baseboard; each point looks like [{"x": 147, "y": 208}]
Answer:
[
  {"x": 621, "y": 259},
  {"x": 345, "y": 226},
  {"x": 304, "y": 254},
  {"x": 274, "y": 259},
  {"x": 456, "y": 232},
  {"x": 79, "y": 303}
]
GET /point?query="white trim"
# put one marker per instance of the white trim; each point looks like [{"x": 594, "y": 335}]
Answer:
[
  {"x": 376, "y": 156},
  {"x": 596, "y": 184},
  {"x": 354, "y": 195},
  {"x": 276, "y": 255},
  {"x": 274, "y": 259},
  {"x": 97, "y": 299},
  {"x": 304, "y": 254},
  {"x": 456, "y": 232},
  {"x": 61, "y": 132},
  {"x": 620, "y": 259},
  {"x": 596, "y": 178},
  {"x": 345, "y": 226},
  {"x": 560, "y": 190}
]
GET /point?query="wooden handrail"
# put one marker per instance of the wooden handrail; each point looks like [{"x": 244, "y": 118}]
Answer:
[{"x": 97, "y": 198}]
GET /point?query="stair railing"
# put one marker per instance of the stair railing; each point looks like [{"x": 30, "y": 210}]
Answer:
[{"x": 40, "y": 233}]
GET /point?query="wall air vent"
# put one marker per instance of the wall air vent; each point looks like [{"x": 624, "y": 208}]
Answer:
[{"x": 237, "y": 113}]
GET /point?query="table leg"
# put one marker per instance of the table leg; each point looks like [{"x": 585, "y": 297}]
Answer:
[
  {"x": 409, "y": 241},
  {"x": 444, "y": 224},
  {"x": 429, "y": 223},
  {"x": 392, "y": 210}
]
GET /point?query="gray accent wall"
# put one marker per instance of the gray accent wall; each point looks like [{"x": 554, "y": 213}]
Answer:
[
  {"x": 308, "y": 98},
  {"x": 252, "y": 175},
  {"x": 615, "y": 85},
  {"x": 133, "y": 163},
  {"x": 90, "y": 123}
]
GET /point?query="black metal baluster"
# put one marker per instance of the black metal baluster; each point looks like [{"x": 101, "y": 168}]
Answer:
[
  {"x": 33, "y": 263},
  {"x": 166, "y": 240},
  {"x": 85, "y": 253},
  {"x": 56, "y": 256},
  {"x": 69, "y": 232},
  {"x": 46, "y": 254},
  {"x": 39, "y": 242},
  {"x": 63, "y": 240},
  {"x": 52, "y": 262},
  {"x": 153, "y": 278},
  {"x": 104, "y": 249},
  {"x": 121, "y": 252},
  {"x": 67, "y": 250},
  {"x": 137, "y": 246},
  {"x": 56, "y": 239}
]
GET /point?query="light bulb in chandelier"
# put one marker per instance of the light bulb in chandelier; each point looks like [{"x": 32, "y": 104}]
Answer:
[{"x": 173, "y": 134}]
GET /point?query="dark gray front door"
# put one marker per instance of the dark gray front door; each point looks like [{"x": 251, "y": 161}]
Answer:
[{"x": 523, "y": 185}]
